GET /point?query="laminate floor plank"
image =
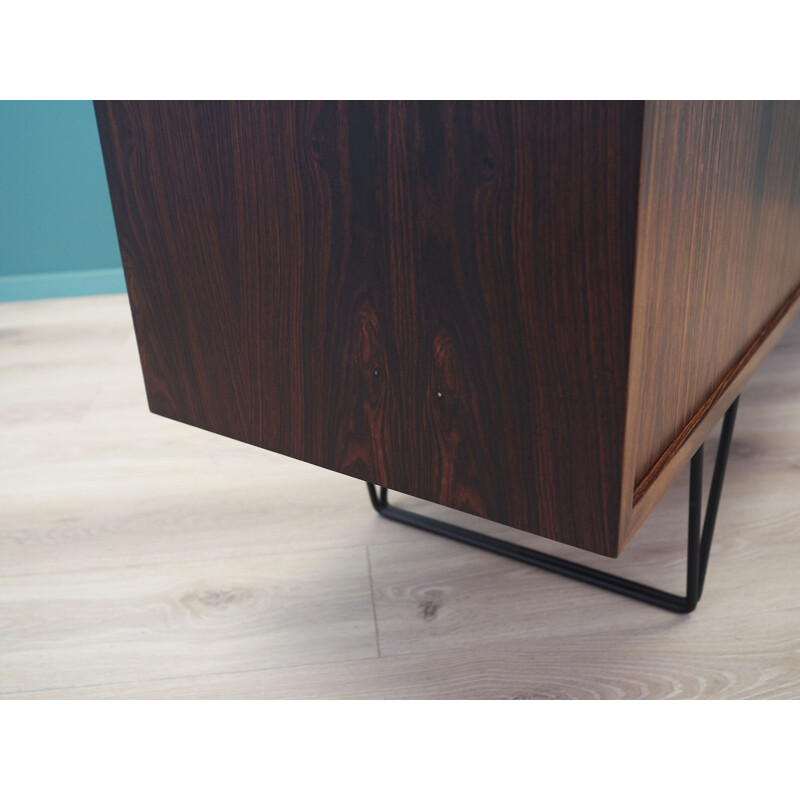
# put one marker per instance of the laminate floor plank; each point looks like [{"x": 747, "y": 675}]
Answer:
[
  {"x": 163, "y": 620},
  {"x": 682, "y": 658},
  {"x": 52, "y": 357}
]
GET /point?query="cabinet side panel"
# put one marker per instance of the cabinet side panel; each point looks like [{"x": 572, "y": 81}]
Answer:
[
  {"x": 434, "y": 297},
  {"x": 718, "y": 266}
]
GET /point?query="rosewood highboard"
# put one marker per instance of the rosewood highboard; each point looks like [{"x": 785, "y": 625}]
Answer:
[{"x": 533, "y": 312}]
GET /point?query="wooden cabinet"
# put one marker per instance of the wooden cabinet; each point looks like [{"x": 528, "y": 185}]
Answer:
[{"x": 529, "y": 311}]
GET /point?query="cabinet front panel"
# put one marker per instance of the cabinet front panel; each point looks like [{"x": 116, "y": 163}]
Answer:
[{"x": 432, "y": 296}]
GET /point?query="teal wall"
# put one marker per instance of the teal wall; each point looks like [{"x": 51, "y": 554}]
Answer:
[{"x": 57, "y": 236}]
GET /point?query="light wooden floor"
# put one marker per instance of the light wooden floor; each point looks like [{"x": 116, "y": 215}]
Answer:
[{"x": 143, "y": 558}]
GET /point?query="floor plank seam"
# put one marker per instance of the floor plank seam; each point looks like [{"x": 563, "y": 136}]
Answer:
[{"x": 372, "y": 597}]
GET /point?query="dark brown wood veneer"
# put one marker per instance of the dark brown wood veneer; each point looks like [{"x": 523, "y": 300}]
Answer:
[{"x": 476, "y": 303}]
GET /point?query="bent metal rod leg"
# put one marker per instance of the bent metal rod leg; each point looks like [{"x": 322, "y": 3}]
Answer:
[{"x": 700, "y": 536}]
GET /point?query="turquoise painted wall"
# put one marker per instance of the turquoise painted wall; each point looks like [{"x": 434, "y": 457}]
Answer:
[{"x": 57, "y": 236}]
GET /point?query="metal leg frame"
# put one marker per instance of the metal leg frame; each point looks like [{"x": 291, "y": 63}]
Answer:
[{"x": 700, "y": 536}]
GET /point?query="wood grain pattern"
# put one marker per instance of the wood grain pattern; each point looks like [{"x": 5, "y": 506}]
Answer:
[
  {"x": 434, "y": 297},
  {"x": 199, "y": 618},
  {"x": 730, "y": 660},
  {"x": 660, "y": 476},
  {"x": 139, "y": 558},
  {"x": 717, "y": 271}
]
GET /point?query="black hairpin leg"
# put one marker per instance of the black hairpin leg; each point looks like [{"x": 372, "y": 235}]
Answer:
[{"x": 700, "y": 535}]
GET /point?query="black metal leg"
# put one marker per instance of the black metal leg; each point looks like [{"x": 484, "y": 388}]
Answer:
[{"x": 699, "y": 546}]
